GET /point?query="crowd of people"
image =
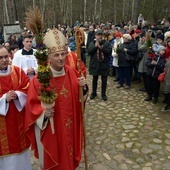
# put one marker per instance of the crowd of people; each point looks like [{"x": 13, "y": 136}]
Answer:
[{"x": 128, "y": 52}]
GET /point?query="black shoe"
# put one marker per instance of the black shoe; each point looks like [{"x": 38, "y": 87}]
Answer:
[
  {"x": 166, "y": 108},
  {"x": 164, "y": 101},
  {"x": 142, "y": 89},
  {"x": 134, "y": 79},
  {"x": 155, "y": 100},
  {"x": 104, "y": 98},
  {"x": 148, "y": 98},
  {"x": 92, "y": 96},
  {"x": 119, "y": 86}
]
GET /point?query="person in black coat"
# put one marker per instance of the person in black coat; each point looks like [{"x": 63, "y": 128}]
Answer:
[
  {"x": 90, "y": 35},
  {"x": 127, "y": 48},
  {"x": 155, "y": 66},
  {"x": 99, "y": 51}
]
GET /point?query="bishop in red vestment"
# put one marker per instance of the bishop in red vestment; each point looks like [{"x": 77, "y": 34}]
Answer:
[{"x": 62, "y": 150}]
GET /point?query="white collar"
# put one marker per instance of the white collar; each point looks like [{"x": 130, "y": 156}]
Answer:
[
  {"x": 5, "y": 72},
  {"x": 58, "y": 73}
]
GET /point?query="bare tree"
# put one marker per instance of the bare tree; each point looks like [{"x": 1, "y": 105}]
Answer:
[
  {"x": 135, "y": 11},
  {"x": 33, "y": 3},
  {"x": 95, "y": 12},
  {"x": 6, "y": 12},
  {"x": 100, "y": 10},
  {"x": 85, "y": 7},
  {"x": 63, "y": 8},
  {"x": 15, "y": 10},
  {"x": 43, "y": 9},
  {"x": 69, "y": 11}
]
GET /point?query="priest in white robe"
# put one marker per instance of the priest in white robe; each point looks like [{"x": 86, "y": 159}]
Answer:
[{"x": 25, "y": 58}]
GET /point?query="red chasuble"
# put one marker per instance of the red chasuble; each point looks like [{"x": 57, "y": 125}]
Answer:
[
  {"x": 72, "y": 61},
  {"x": 12, "y": 136},
  {"x": 62, "y": 150}
]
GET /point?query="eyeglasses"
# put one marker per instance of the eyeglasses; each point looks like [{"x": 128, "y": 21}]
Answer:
[{"x": 4, "y": 57}]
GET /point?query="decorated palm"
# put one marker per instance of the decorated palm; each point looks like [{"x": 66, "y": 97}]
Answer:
[
  {"x": 149, "y": 45},
  {"x": 47, "y": 94}
]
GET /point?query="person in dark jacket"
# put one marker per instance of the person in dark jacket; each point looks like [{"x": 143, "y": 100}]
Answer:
[
  {"x": 99, "y": 51},
  {"x": 90, "y": 36},
  {"x": 127, "y": 48},
  {"x": 155, "y": 66},
  {"x": 20, "y": 39}
]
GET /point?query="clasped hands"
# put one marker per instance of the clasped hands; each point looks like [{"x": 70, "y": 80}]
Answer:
[
  {"x": 30, "y": 70},
  {"x": 98, "y": 45},
  {"x": 49, "y": 112},
  {"x": 11, "y": 95}
]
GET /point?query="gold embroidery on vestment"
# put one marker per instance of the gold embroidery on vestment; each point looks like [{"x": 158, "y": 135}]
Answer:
[
  {"x": 63, "y": 92},
  {"x": 68, "y": 123}
]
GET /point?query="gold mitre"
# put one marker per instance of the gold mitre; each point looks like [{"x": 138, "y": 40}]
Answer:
[{"x": 55, "y": 41}]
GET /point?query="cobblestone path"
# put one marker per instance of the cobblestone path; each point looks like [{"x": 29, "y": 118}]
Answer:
[{"x": 125, "y": 132}]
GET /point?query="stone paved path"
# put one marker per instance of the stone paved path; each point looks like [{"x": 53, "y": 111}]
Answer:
[{"x": 125, "y": 133}]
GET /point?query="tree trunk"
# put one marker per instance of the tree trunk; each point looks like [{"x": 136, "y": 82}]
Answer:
[
  {"x": 95, "y": 7},
  {"x": 43, "y": 9},
  {"x": 6, "y": 12},
  {"x": 15, "y": 9},
  {"x": 85, "y": 7},
  {"x": 63, "y": 6},
  {"x": 115, "y": 12},
  {"x": 100, "y": 10},
  {"x": 71, "y": 12},
  {"x": 123, "y": 10},
  {"x": 33, "y": 3},
  {"x": 135, "y": 11}
]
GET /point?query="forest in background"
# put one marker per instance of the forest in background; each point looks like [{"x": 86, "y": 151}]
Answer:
[{"x": 95, "y": 11}]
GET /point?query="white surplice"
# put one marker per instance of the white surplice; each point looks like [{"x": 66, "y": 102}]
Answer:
[{"x": 25, "y": 62}]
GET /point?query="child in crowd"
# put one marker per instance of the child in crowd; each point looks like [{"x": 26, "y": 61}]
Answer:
[
  {"x": 159, "y": 42},
  {"x": 155, "y": 66},
  {"x": 72, "y": 44}
]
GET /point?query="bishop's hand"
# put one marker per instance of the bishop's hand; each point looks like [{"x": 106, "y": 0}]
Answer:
[
  {"x": 82, "y": 81},
  {"x": 49, "y": 112}
]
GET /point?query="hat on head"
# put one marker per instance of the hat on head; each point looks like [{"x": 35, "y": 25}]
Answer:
[
  {"x": 137, "y": 31},
  {"x": 98, "y": 32},
  {"x": 167, "y": 34},
  {"x": 127, "y": 36},
  {"x": 143, "y": 34},
  {"x": 160, "y": 37},
  {"x": 118, "y": 34},
  {"x": 55, "y": 41},
  {"x": 161, "y": 47},
  {"x": 167, "y": 40}
]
